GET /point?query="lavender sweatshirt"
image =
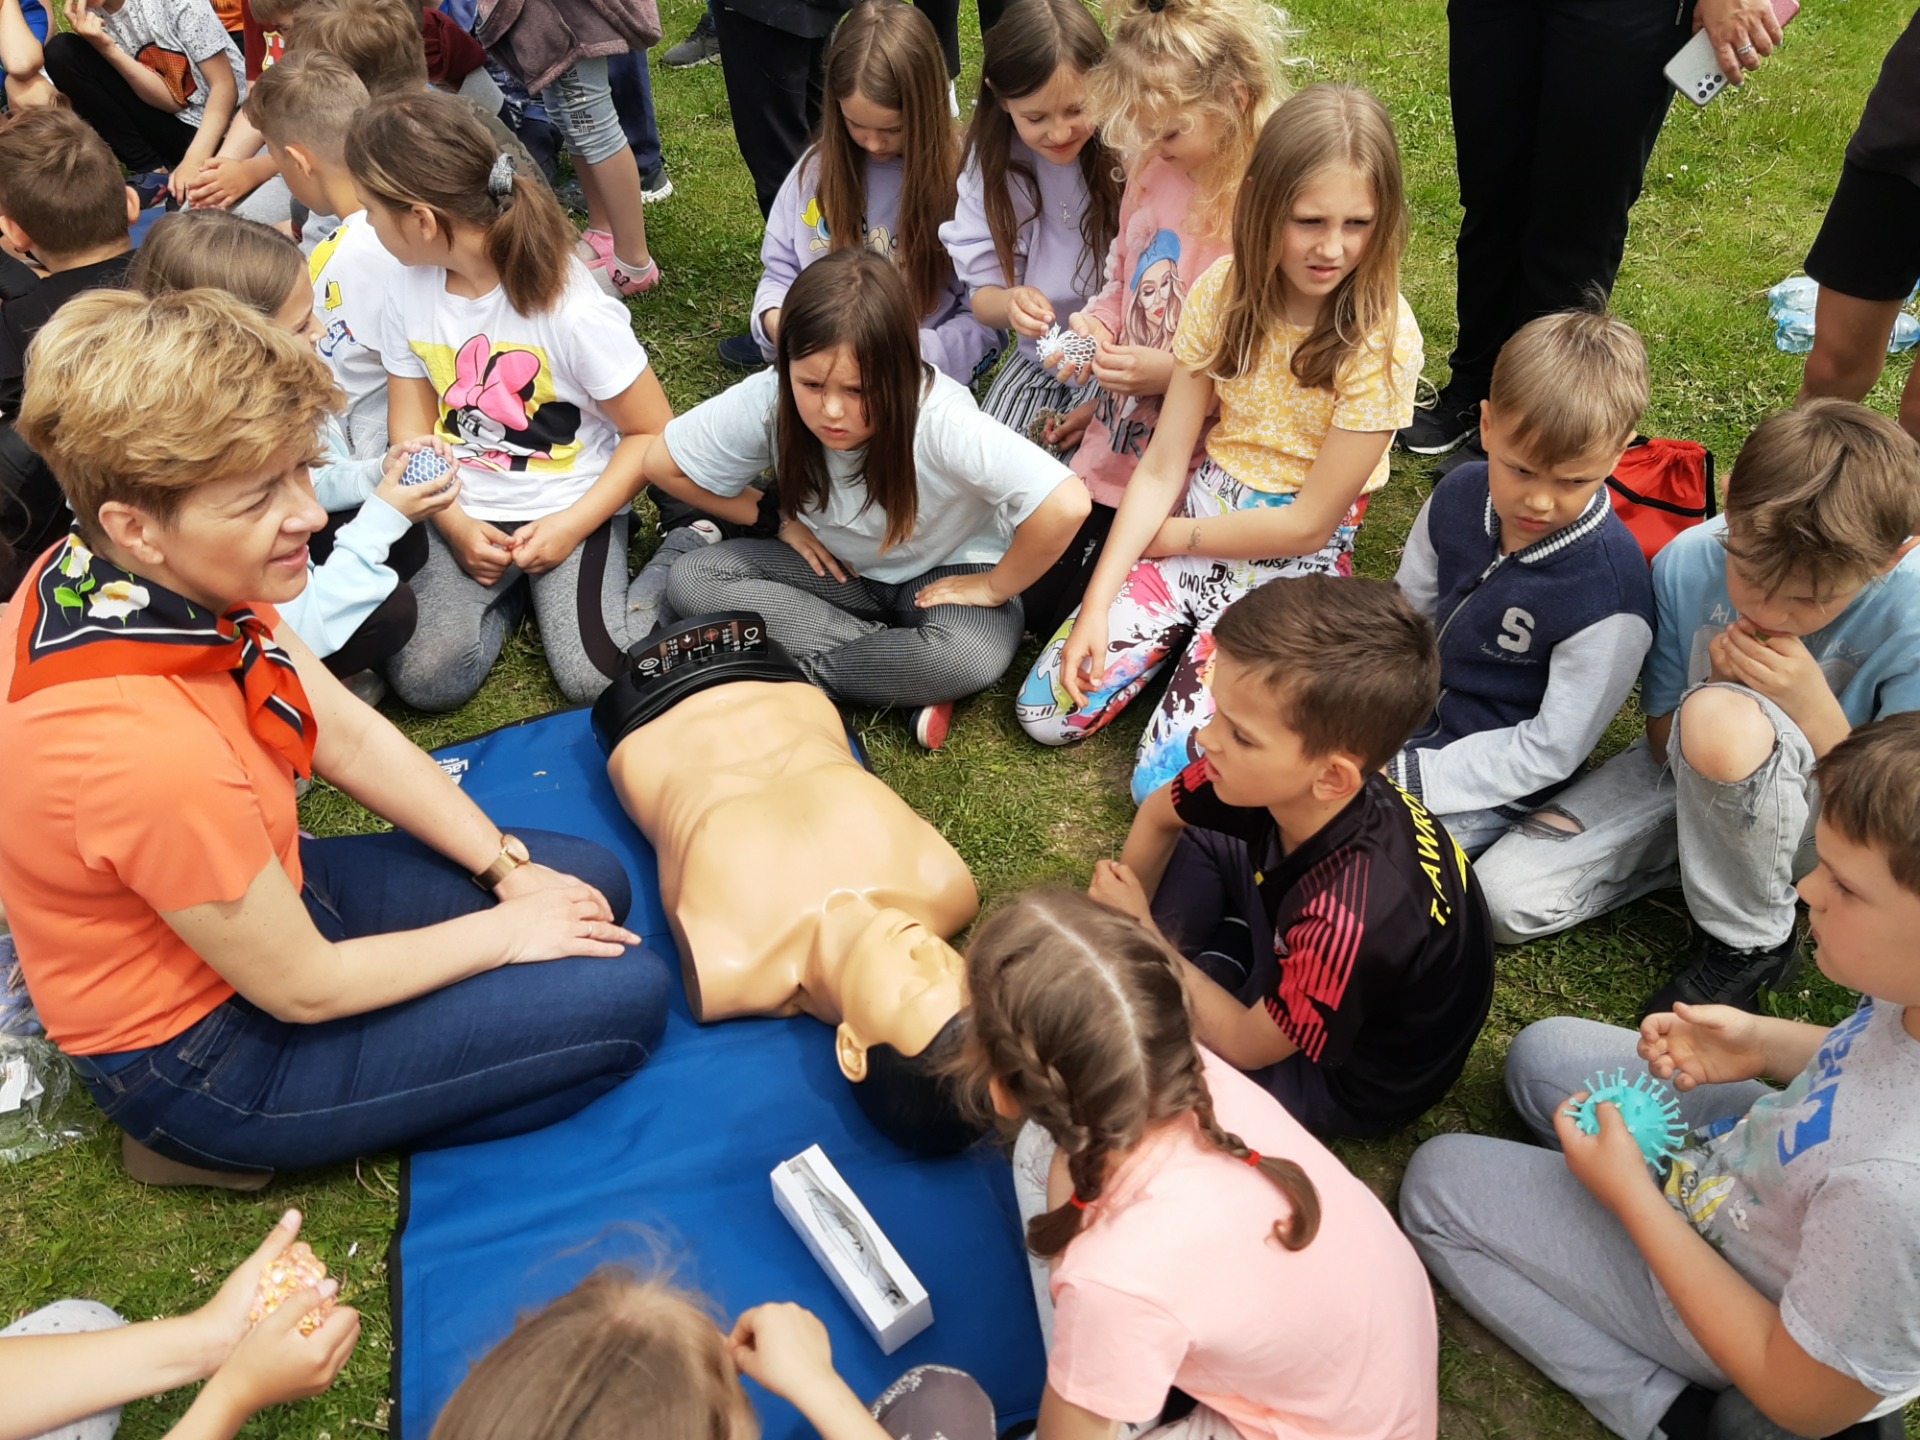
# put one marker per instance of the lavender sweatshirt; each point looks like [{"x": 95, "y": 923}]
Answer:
[
  {"x": 1048, "y": 252},
  {"x": 951, "y": 340}
]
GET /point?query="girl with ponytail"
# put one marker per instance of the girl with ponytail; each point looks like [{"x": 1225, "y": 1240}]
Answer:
[
  {"x": 497, "y": 339},
  {"x": 1187, "y": 1231}
]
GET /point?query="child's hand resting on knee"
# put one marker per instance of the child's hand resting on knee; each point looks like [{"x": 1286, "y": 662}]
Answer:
[
  {"x": 417, "y": 502},
  {"x": 1702, "y": 1045}
]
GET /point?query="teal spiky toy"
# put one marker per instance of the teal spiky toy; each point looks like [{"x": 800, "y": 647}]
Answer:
[{"x": 1649, "y": 1109}]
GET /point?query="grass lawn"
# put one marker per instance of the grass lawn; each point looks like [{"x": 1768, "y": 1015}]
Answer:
[{"x": 1734, "y": 196}]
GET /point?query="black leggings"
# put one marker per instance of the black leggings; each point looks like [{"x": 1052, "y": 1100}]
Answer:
[
  {"x": 392, "y": 623},
  {"x": 143, "y": 137}
]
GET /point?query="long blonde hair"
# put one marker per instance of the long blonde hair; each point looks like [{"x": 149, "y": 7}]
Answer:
[
  {"x": 1173, "y": 61},
  {"x": 1078, "y": 1012},
  {"x": 1325, "y": 127},
  {"x": 886, "y": 51}
]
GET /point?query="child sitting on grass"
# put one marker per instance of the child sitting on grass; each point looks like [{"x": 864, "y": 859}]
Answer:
[
  {"x": 63, "y": 202},
  {"x": 1767, "y": 1286},
  {"x": 1779, "y": 627},
  {"x": 1336, "y": 940},
  {"x": 617, "y": 1355},
  {"x": 304, "y": 107},
  {"x": 1537, "y": 589}
]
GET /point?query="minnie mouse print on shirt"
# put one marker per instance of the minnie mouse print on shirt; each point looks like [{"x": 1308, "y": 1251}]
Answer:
[{"x": 519, "y": 394}]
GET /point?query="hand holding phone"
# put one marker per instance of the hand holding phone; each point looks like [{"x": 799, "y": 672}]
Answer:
[{"x": 1706, "y": 65}]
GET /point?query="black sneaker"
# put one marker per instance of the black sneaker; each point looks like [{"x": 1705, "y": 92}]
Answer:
[
  {"x": 1716, "y": 975},
  {"x": 1450, "y": 422},
  {"x": 741, "y": 352},
  {"x": 702, "y": 47},
  {"x": 655, "y": 184}
]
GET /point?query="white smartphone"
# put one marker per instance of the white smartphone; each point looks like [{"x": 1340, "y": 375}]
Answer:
[{"x": 1695, "y": 72}]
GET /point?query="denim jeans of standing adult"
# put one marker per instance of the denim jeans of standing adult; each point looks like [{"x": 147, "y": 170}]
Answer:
[
  {"x": 1735, "y": 848},
  {"x": 1528, "y": 1252},
  {"x": 632, "y": 87},
  {"x": 501, "y": 1053}
]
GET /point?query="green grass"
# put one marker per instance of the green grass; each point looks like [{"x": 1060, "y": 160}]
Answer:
[{"x": 1733, "y": 198}]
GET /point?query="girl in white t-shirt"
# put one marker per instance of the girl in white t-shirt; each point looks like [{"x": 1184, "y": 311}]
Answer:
[
  {"x": 497, "y": 340},
  {"x": 1187, "y": 1231},
  {"x": 909, "y": 521}
]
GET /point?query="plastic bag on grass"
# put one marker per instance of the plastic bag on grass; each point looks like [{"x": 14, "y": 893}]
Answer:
[
  {"x": 41, "y": 1106},
  {"x": 1791, "y": 304}
]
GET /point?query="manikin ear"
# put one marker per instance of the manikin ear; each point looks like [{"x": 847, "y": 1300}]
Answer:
[
  {"x": 133, "y": 532},
  {"x": 1338, "y": 780},
  {"x": 851, "y": 1053}
]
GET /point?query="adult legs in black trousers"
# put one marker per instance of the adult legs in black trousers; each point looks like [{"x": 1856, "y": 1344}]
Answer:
[
  {"x": 774, "y": 81},
  {"x": 142, "y": 137},
  {"x": 1556, "y": 105},
  {"x": 945, "y": 15}
]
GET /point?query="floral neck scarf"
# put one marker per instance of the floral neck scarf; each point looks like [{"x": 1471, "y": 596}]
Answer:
[{"x": 84, "y": 618}]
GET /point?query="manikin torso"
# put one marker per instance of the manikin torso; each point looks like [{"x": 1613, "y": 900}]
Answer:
[{"x": 782, "y": 864}]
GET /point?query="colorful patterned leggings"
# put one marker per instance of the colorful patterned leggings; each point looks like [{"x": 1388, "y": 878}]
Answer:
[{"x": 1166, "y": 610}]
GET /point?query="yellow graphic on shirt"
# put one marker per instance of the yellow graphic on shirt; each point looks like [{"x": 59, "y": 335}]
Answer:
[
  {"x": 331, "y": 300},
  {"x": 323, "y": 253},
  {"x": 497, "y": 406}
]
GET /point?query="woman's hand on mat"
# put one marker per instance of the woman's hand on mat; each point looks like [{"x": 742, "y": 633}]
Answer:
[
  {"x": 975, "y": 590},
  {"x": 797, "y": 534},
  {"x": 561, "y": 923},
  {"x": 1029, "y": 311},
  {"x": 1133, "y": 369},
  {"x": 1083, "y": 659},
  {"x": 418, "y": 502},
  {"x": 1743, "y": 33},
  {"x": 1065, "y": 433},
  {"x": 1702, "y": 1045},
  {"x": 275, "y": 1363},
  {"x": 1608, "y": 1164},
  {"x": 483, "y": 551},
  {"x": 546, "y": 543},
  {"x": 1115, "y": 886}
]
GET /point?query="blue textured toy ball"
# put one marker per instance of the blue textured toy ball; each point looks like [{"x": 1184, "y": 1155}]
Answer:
[
  {"x": 425, "y": 466},
  {"x": 1651, "y": 1113}
]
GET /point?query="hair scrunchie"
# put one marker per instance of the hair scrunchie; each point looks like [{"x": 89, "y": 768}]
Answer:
[{"x": 500, "y": 177}]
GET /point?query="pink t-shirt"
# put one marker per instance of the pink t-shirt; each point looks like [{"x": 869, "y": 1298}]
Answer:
[{"x": 1176, "y": 1280}]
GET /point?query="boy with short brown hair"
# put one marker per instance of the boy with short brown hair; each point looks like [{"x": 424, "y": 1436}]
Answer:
[
  {"x": 1780, "y": 627},
  {"x": 1538, "y": 591},
  {"x": 1336, "y": 942}
]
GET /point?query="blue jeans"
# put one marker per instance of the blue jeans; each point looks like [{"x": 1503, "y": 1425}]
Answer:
[
  {"x": 633, "y": 101},
  {"x": 499, "y": 1054}
]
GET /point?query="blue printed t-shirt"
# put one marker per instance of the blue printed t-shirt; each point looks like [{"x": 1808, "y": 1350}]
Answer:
[
  {"x": 1814, "y": 1197},
  {"x": 978, "y": 480},
  {"x": 1870, "y": 653}
]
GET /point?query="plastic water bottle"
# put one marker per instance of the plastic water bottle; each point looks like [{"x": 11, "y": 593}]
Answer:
[{"x": 1791, "y": 304}]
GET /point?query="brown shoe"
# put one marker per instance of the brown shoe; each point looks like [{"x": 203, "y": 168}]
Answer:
[{"x": 150, "y": 1167}]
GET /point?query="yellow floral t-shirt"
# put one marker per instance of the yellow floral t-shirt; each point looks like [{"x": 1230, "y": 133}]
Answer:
[{"x": 1271, "y": 426}]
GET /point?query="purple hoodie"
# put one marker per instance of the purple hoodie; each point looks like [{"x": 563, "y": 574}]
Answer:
[
  {"x": 1048, "y": 252},
  {"x": 951, "y": 340}
]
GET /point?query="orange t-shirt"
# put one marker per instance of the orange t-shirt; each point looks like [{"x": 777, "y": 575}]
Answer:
[{"x": 121, "y": 799}]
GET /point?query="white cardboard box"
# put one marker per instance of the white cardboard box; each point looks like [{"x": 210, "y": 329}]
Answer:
[{"x": 865, "y": 1267}]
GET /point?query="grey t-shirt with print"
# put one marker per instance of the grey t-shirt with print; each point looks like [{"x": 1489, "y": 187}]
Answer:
[
  {"x": 174, "y": 39},
  {"x": 1814, "y": 1197}
]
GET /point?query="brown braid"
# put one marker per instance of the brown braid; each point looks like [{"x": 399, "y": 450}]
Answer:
[{"x": 1078, "y": 1013}]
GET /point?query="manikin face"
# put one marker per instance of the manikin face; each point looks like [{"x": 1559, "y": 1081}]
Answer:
[
  {"x": 1324, "y": 238},
  {"x": 1052, "y": 121},
  {"x": 881, "y": 132},
  {"x": 899, "y": 985},
  {"x": 1863, "y": 921},
  {"x": 827, "y": 392}
]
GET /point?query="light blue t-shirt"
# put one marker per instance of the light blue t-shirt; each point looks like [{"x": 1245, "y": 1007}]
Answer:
[
  {"x": 978, "y": 479},
  {"x": 1870, "y": 654}
]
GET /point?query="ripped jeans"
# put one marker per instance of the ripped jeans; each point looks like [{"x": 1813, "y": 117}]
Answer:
[{"x": 1735, "y": 849}]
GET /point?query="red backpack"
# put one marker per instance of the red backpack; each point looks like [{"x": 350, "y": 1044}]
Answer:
[{"x": 1661, "y": 487}]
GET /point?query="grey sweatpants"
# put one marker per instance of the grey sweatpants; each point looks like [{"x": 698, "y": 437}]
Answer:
[
  {"x": 72, "y": 1317},
  {"x": 1529, "y": 1253},
  {"x": 580, "y": 604},
  {"x": 860, "y": 640}
]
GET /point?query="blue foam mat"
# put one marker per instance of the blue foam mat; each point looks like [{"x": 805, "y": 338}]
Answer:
[{"x": 681, "y": 1155}]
